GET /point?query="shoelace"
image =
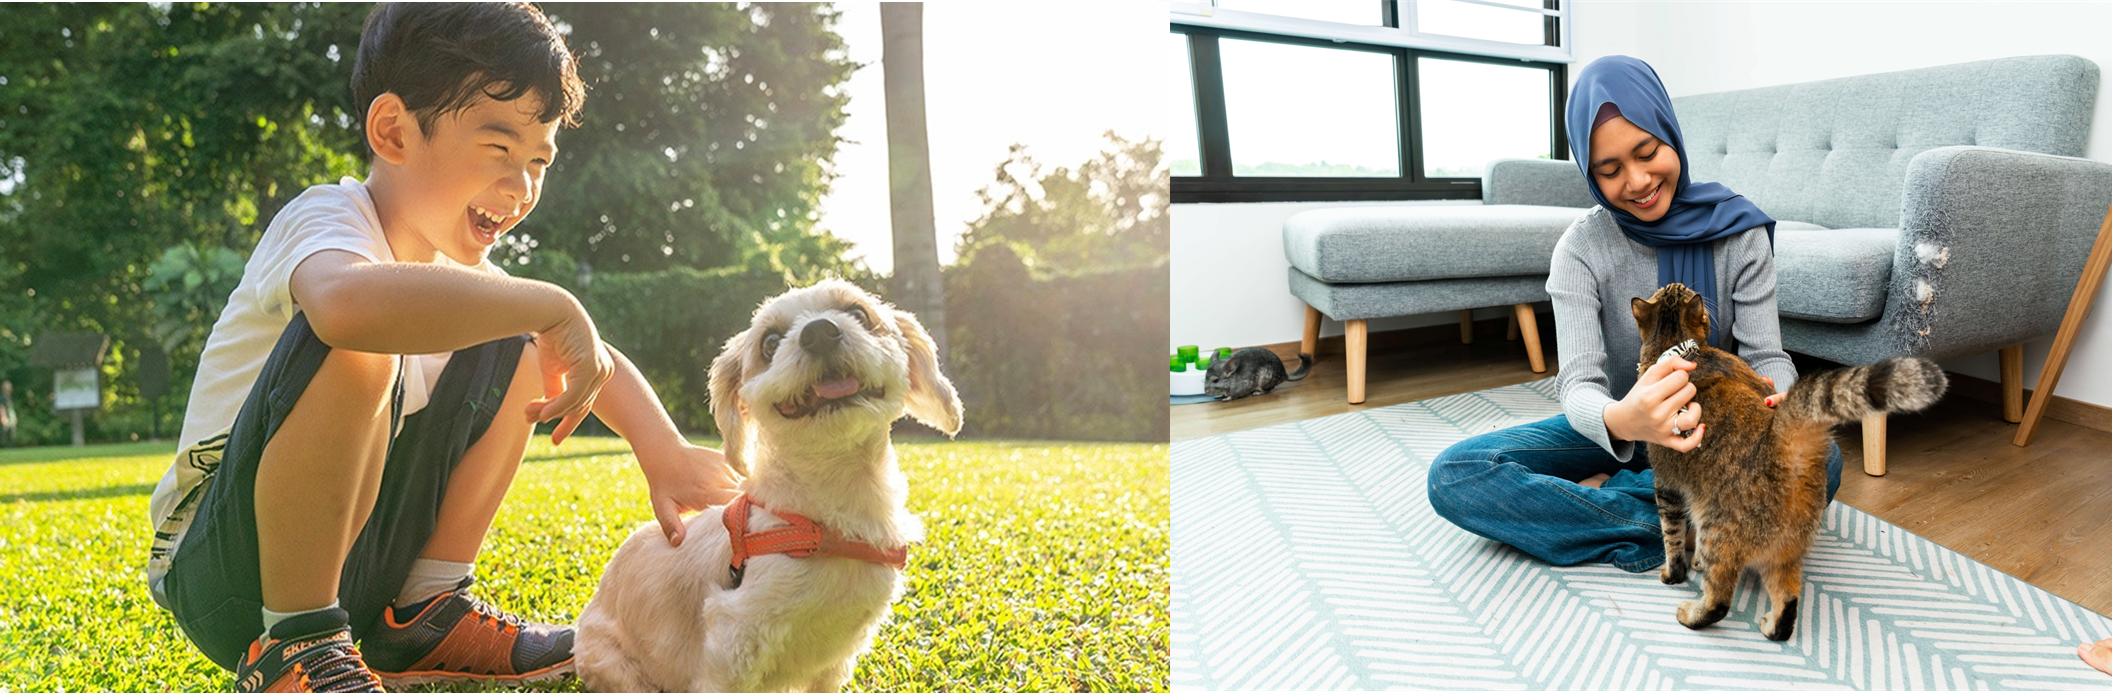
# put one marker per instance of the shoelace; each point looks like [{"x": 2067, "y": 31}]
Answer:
[
  {"x": 340, "y": 669},
  {"x": 485, "y": 610}
]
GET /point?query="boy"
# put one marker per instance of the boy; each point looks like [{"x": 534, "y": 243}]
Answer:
[{"x": 367, "y": 394}]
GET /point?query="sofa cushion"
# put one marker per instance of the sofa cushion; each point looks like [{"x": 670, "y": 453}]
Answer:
[
  {"x": 1838, "y": 275},
  {"x": 1836, "y": 151},
  {"x": 1394, "y": 244},
  {"x": 1385, "y": 300}
]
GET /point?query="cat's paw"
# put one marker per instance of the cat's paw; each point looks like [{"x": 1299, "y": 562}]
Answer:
[
  {"x": 1674, "y": 571},
  {"x": 1779, "y": 629},
  {"x": 1693, "y": 614}
]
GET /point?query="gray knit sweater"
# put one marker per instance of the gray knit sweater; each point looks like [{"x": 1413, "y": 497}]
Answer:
[{"x": 1597, "y": 270}]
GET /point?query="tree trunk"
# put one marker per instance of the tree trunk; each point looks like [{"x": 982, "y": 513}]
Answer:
[{"x": 917, "y": 285}]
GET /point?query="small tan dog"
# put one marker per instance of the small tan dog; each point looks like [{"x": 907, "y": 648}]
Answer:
[{"x": 808, "y": 393}]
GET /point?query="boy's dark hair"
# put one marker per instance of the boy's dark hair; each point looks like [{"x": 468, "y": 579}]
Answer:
[{"x": 439, "y": 56}]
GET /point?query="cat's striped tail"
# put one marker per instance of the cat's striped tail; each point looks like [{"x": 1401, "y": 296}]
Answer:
[{"x": 1851, "y": 394}]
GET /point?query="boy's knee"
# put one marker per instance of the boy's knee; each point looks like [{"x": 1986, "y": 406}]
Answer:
[{"x": 358, "y": 373}]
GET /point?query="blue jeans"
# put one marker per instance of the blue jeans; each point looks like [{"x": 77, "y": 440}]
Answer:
[{"x": 1518, "y": 486}]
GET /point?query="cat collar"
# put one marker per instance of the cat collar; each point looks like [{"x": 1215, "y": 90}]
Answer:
[{"x": 1683, "y": 350}]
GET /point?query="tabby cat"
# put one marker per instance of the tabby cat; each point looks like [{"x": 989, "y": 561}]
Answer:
[{"x": 1756, "y": 487}]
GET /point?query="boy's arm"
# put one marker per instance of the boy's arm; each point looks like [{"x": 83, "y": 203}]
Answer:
[
  {"x": 680, "y": 477},
  {"x": 409, "y": 308}
]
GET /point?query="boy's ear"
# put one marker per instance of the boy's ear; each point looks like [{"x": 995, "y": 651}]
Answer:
[
  {"x": 726, "y": 407},
  {"x": 390, "y": 127}
]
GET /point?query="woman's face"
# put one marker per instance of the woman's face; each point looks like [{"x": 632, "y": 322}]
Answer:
[{"x": 1636, "y": 172}]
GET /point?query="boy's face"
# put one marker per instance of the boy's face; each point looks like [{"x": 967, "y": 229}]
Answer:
[{"x": 477, "y": 175}]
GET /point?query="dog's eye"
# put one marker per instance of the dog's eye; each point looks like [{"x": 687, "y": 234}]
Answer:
[
  {"x": 864, "y": 318},
  {"x": 770, "y": 342}
]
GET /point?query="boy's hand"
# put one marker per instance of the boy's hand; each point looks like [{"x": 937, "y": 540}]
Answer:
[
  {"x": 685, "y": 479},
  {"x": 575, "y": 365}
]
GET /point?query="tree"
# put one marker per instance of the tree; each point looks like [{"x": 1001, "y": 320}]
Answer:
[
  {"x": 1109, "y": 212},
  {"x": 1065, "y": 274},
  {"x": 704, "y": 141},
  {"x": 190, "y": 284},
  {"x": 128, "y": 129},
  {"x": 917, "y": 285}
]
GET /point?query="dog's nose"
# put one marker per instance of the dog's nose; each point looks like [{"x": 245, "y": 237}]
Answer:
[{"x": 820, "y": 337}]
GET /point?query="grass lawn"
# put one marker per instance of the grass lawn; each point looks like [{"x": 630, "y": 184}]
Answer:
[{"x": 1044, "y": 568}]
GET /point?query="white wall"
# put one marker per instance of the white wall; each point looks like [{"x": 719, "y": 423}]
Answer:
[
  {"x": 1228, "y": 264},
  {"x": 1705, "y": 47}
]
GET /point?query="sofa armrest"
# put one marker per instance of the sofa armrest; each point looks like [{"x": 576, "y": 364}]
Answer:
[
  {"x": 1991, "y": 244},
  {"x": 1550, "y": 182}
]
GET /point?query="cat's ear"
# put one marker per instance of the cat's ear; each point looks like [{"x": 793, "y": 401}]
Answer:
[
  {"x": 1640, "y": 308},
  {"x": 1697, "y": 314}
]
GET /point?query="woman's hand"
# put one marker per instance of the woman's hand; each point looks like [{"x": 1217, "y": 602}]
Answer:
[
  {"x": 1652, "y": 410},
  {"x": 1773, "y": 398}
]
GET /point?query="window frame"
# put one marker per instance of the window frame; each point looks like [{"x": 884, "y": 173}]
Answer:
[{"x": 1217, "y": 182}]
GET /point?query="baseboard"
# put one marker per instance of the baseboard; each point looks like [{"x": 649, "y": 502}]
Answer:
[
  {"x": 1487, "y": 328},
  {"x": 2058, "y": 408}
]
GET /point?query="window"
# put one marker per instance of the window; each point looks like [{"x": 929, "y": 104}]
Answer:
[
  {"x": 1183, "y": 151},
  {"x": 1307, "y": 105},
  {"x": 1309, "y": 112}
]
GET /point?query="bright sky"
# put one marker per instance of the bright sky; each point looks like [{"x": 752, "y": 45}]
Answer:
[
  {"x": 1052, "y": 76},
  {"x": 1296, "y": 104}
]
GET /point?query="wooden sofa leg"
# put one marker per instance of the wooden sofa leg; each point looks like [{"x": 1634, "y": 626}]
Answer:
[
  {"x": 1510, "y": 330},
  {"x": 2013, "y": 383},
  {"x": 1530, "y": 327},
  {"x": 1874, "y": 445},
  {"x": 1310, "y": 344},
  {"x": 1466, "y": 327},
  {"x": 1353, "y": 342}
]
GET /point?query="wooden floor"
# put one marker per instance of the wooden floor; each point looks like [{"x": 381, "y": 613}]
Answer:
[{"x": 2041, "y": 513}]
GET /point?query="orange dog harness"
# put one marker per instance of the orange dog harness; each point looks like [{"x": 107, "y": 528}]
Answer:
[{"x": 802, "y": 539}]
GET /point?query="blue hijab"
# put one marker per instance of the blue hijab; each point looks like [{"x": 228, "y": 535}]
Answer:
[{"x": 1700, "y": 213}]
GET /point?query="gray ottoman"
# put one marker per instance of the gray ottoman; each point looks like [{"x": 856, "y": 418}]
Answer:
[{"x": 1357, "y": 263}]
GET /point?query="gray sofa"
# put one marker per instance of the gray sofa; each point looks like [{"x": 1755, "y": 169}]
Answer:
[{"x": 1938, "y": 212}]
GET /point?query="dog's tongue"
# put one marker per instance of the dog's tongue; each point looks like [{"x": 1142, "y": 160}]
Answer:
[{"x": 837, "y": 389}]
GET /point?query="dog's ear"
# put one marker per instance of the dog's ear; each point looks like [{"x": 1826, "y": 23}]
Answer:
[
  {"x": 931, "y": 398},
  {"x": 726, "y": 407}
]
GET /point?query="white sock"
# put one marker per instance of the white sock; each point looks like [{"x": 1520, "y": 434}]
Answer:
[
  {"x": 272, "y": 618},
  {"x": 431, "y": 578}
]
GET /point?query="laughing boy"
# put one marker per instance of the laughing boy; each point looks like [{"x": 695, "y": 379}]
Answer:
[{"x": 366, "y": 397}]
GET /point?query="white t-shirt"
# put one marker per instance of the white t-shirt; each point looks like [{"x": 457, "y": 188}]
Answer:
[{"x": 324, "y": 217}]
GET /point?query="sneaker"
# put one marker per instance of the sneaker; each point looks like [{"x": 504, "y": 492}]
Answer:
[
  {"x": 310, "y": 652},
  {"x": 457, "y": 637}
]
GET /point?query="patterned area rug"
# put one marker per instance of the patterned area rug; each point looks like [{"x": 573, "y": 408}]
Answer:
[{"x": 1306, "y": 556}]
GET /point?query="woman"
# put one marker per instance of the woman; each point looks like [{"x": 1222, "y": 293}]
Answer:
[{"x": 1576, "y": 488}]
